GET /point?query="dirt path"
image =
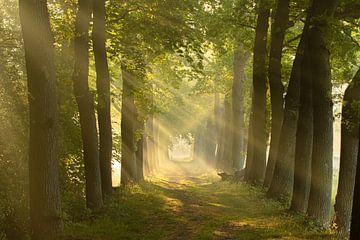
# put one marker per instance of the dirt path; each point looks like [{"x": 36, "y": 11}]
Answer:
[
  {"x": 187, "y": 201},
  {"x": 209, "y": 209}
]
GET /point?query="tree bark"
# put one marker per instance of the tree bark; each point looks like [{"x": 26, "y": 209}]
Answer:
[
  {"x": 218, "y": 128},
  {"x": 355, "y": 215},
  {"x": 140, "y": 152},
  {"x": 283, "y": 178},
  {"x": 304, "y": 132},
  {"x": 228, "y": 141},
  {"x": 348, "y": 157},
  {"x": 238, "y": 121},
  {"x": 46, "y": 223},
  {"x": 259, "y": 136},
  {"x": 319, "y": 206},
  {"x": 103, "y": 90},
  {"x": 85, "y": 103},
  {"x": 128, "y": 161},
  {"x": 278, "y": 30}
]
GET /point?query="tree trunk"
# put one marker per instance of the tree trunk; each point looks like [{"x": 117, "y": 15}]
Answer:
[
  {"x": 249, "y": 151},
  {"x": 322, "y": 153},
  {"x": 128, "y": 161},
  {"x": 85, "y": 103},
  {"x": 222, "y": 139},
  {"x": 150, "y": 145},
  {"x": 228, "y": 141},
  {"x": 218, "y": 128},
  {"x": 46, "y": 223},
  {"x": 355, "y": 215},
  {"x": 304, "y": 136},
  {"x": 259, "y": 136},
  {"x": 140, "y": 152},
  {"x": 348, "y": 157},
  {"x": 283, "y": 178},
  {"x": 278, "y": 30},
  {"x": 103, "y": 89},
  {"x": 238, "y": 121}
]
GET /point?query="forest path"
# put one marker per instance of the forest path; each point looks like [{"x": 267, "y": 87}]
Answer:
[{"x": 187, "y": 201}]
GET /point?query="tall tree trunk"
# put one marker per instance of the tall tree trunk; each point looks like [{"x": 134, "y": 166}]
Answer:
[
  {"x": 128, "y": 161},
  {"x": 140, "y": 152},
  {"x": 85, "y": 103},
  {"x": 304, "y": 136},
  {"x": 259, "y": 136},
  {"x": 249, "y": 151},
  {"x": 222, "y": 138},
  {"x": 210, "y": 140},
  {"x": 355, "y": 215},
  {"x": 322, "y": 153},
  {"x": 238, "y": 121},
  {"x": 218, "y": 127},
  {"x": 278, "y": 30},
  {"x": 283, "y": 178},
  {"x": 46, "y": 223},
  {"x": 150, "y": 145},
  {"x": 103, "y": 89},
  {"x": 227, "y": 159},
  {"x": 348, "y": 156}
]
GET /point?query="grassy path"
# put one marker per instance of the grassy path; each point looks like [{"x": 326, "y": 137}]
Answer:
[{"x": 198, "y": 206}]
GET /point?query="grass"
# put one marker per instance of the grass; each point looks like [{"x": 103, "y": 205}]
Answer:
[{"x": 196, "y": 208}]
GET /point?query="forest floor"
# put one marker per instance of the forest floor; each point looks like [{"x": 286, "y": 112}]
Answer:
[{"x": 184, "y": 202}]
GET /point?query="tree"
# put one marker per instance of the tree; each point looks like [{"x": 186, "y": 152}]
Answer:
[
  {"x": 320, "y": 72},
  {"x": 128, "y": 160},
  {"x": 348, "y": 156},
  {"x": 238, "y": 118},
  {"x": 304, "y": 132},
  {"x": 355, "y": 215},
  {"x": 45, "y": 209},
  {"x": 284, "y": 164},
  {"x": 103, "y": 89},
  {"x": 278, "y": 29},
  {"x": 85, "y": 103},
  {"x": 258, "y": 112}
]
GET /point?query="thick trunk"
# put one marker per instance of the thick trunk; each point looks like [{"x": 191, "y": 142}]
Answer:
[
  {"x": 304, "y": 134},
  {"x": 283, "y": 178},
  {"x": 103, "y": 89},
  {"x": 45, "y": 209},
  {"x": 238, "y": 121},
  {"x": 259, "y": 136},
  {"x": 85, "y": 103},
  {"x": 348, "y": 157},
  {"x": 278, "y": 30},
  {"x": 319, "y": 206},
  {"x": 355, "y": 215},
  {"x": 128, "y": 161}
]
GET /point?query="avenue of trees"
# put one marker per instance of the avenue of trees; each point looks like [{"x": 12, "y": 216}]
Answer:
[{"x": 86, "y": 84}]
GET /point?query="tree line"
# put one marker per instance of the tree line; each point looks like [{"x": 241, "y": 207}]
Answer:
[{"x": 290, "y": 50}]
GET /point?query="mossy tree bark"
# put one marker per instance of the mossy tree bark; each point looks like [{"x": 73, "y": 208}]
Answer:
[
  {"x": 45, "y": 219},
  {"x": 85, "y": 103},
  {"x": 278, "y": 29},
  {"x": 103, "y": 90},
  {"x": 348, "y": 156},
  {"x": 258, "y": 111},
  {"x": 319, "y": 205}
]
